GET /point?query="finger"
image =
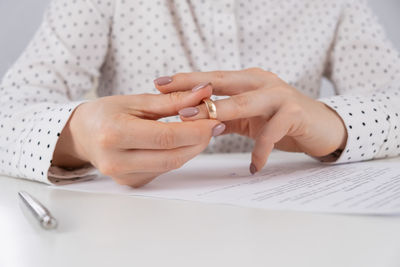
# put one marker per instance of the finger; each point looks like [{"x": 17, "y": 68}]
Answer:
[
  {"x": 240, "y": 127},
  {"x": 136, "y": 180},
  {"x": 224, "y": 82},
  {"x": 233, "y": 126},
  {"x": 148, "y": 134},
  {"x": 275, "y": 129},
  {"x": 152, "y": 106},
  {"x": 148, "y": 161},
  {"x": 245, "y": 105}
]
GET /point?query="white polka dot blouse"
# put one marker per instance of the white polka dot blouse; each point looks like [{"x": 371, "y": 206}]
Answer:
[{"x": 121, "y": 46}]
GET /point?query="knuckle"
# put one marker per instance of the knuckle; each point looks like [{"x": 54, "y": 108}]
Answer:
[
  {"x": 109, "y": 167},
  {"x": 105, "y": 139},
  {"x": 261, "y": 76},
  {"x": 263, "y": 138},
  {"x": 294, "y": 110},
  {"x": 256, "y": 70},
  {"x": 219, "y": 75},
  {"x": 286, "y": 93},
  {"x": 107, "y": 136},
  {"x": 175, "y": 100},
  {"x": 173, "y": 162},
  {"x": 240, "y": 101},
  {"x": 180, "y": 77},
  {"x": 166, "y": 138},
  {"x": 175, "y": 97},
  {"x": 289, "y": 91}
]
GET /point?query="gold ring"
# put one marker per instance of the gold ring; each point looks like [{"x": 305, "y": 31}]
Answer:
[{"x": 211, "y": 108}]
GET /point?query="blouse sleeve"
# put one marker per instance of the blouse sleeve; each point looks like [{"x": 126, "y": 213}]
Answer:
[
  {"x": 41, "y": 90},
  {"x": 365, "y": 70}
]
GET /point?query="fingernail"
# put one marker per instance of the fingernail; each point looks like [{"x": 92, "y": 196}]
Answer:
[
  {"x": 218, "y": 129},
  {"x": 188, "y": 112},
  {"x": 163, "y": 80},
  {"x": 253, "y": 168},
  {"x": 200, "y": 86}
]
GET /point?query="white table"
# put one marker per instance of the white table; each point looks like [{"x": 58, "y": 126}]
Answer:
[{"x": 110, "y": 230}]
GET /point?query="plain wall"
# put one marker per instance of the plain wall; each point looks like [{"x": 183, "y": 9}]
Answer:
[{"x": 19, "y": 20}]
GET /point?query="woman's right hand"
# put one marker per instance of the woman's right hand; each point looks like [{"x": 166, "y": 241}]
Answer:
[{"x": 120, "y": 135}]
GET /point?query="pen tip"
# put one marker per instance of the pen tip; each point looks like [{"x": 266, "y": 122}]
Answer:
[{"x": 49, "y": 222}]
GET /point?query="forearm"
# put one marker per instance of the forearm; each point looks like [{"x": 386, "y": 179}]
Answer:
[{"x": 45, "y": 85}]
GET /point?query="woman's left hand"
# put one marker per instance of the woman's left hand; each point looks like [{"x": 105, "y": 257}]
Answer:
[{"x": 268, "y": 110}]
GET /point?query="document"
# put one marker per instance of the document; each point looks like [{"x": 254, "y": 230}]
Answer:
[{"x": 287, "y": 182}]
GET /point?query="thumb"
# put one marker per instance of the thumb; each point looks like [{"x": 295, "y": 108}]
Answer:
[{"x": 163, "y": 105}]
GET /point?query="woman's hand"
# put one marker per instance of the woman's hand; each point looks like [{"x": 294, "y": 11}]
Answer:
[
  {"x": 267, "y": 109},
  {"x": 121, "y": 137}
]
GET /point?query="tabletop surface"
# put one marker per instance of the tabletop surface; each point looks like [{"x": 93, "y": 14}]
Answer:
[{"x": 114, "y": 230}]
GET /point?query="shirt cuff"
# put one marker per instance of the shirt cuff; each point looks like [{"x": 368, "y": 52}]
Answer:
[
  {"x": 60, "y": 176},
  {"x": 366, "y": 124},
  {"x": 38, "y": 144}
]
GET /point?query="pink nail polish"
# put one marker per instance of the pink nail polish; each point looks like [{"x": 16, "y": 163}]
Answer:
[
  {"x": 188, "y": 112},
  {"x": 218, "y": 129},
  {"x": 200, "y": 86},
  {"x": 163, "y": 80},
  {"x": 253, "y": 168}
]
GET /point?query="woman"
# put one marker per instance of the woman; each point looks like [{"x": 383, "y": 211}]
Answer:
[{"x": 119, "y": 46}]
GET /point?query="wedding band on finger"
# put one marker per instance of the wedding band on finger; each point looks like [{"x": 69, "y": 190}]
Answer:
[{"x": 211, "y": 108}]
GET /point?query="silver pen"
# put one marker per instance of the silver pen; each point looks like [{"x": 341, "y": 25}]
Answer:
[{"x": 43, "y": 215}]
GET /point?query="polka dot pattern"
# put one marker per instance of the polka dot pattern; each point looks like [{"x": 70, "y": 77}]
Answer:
[
  {"x": 365, "y": 69},
  {"x": 121, "y": 46}
]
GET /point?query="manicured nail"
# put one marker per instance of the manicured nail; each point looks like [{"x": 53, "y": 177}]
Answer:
[
  {"x": 188, "y": 112},
  {"x": 218, "y": 129},
  {"x": 163, "y": 80},
  {"x": 253, "y": 168},
  {"x": 200, "y": 86}
]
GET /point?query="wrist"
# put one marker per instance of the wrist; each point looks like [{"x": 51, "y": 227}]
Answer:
[
  {"x": 336, "y": 131},
  {"x": 342, "y": 132},
  {"x": 66, "y": 153}
]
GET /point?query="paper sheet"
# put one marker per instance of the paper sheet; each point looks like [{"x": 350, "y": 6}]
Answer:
[{"x": 288, "y": 182}]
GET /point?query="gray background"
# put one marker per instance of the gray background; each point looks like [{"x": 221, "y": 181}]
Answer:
[{"x": 20, "y": 18}]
